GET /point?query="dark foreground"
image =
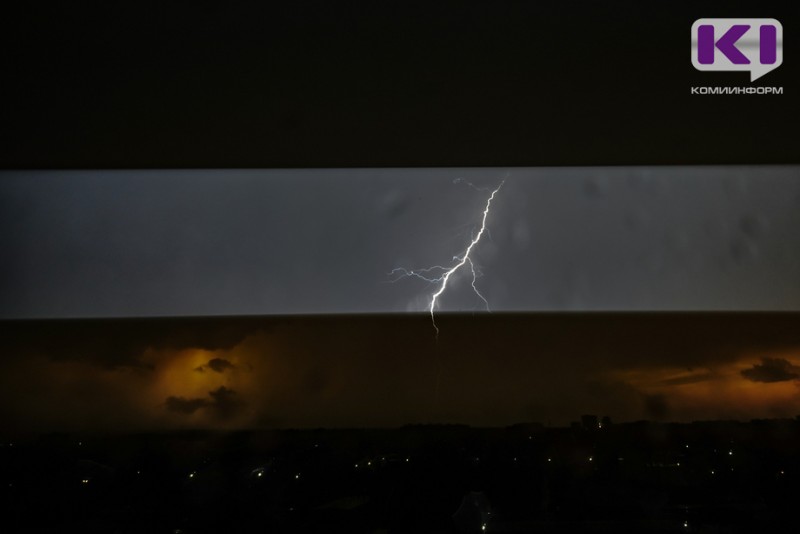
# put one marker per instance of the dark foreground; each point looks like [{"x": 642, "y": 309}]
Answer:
[{"x": 638, "y": 477}]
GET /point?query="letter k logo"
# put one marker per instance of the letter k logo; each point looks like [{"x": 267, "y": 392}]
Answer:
[
  {"x": 726, "y": 44},
  {"x": 753, "y": 45}
]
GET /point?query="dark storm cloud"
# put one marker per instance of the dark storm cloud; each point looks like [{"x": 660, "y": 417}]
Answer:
[
  {"x": 237, "y": 242},
  {"x": 223, "y": 403},
  {"x": 185, "y": 406},
  {"x": 218, "y": 365},
  {"x": 772, "y": 370}
]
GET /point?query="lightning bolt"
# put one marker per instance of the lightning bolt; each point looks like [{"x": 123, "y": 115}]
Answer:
[{"x": 439, "y": 274}]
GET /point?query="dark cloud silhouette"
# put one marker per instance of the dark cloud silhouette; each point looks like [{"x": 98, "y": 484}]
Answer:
[
  {"x": 224, "y": 403},
  {"x": 185, "y": 406},
  {"x": 772, "y": 370},
  {"x": 218, "y": 365}
]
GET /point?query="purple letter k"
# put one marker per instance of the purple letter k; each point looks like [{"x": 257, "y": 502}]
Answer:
[{"x": 726, "y": 44}]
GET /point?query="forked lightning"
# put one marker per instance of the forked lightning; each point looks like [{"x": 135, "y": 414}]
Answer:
[{"x": 446, "y": 272}]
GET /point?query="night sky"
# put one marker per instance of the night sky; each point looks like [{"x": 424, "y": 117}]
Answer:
[
  {"x": 202, "y": 217},
  {"x": 284, "y": 313},
  {"x": 265, "y": 242}
]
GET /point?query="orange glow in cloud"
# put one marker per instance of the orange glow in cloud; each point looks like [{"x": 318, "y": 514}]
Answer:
[
  {"x": 188, "y": 375},
  {"x": 176, "y": 373},
  {"x": 721, "y": 391}
]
